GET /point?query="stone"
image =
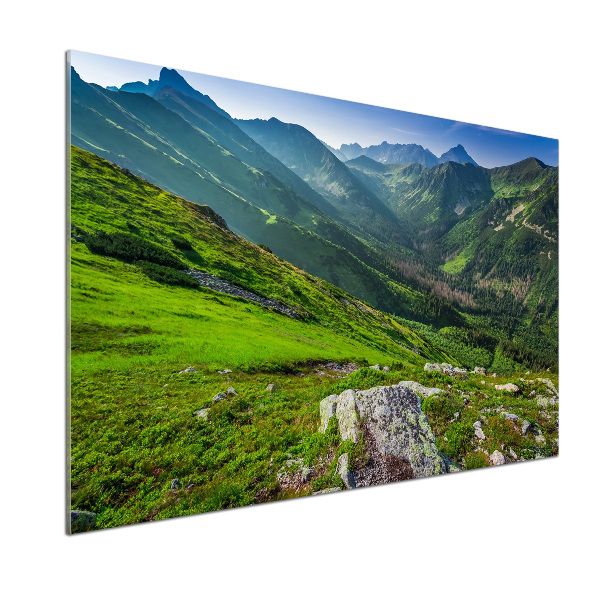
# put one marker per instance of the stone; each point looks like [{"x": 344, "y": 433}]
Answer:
[
  {"x": 477, "y": 424},
  {"x": 479, "y": 433},
  {"x": 540, "y": 440},
  {"x": 224, "y": 371},
  {"x": 327, "y": 409},
  {"x": 219, "y": 397},
  {"x": 386, "y": 369},
  {"x": 188, "y": 370},
  {"x": 548, "y": 383},
  {"x": 508, "y": 387},
  {"x": 456, "y": 415},
  {"x": 327, "y": 491},
  {"x": 231, "y": 391},
  {"x": 525, "y": 427},
  {"x": 395, "y": 428},
  {"x": 82, "y": 520},
  {"x": 497, "y": 458},
  {"x": 175, "y": 484},
  {"x": 513, "y": 453},
  {"x": 271, "y": 387},
  {"x": 480, "y": 371},
  {"x": 344, "y": 472},
  {"x": 542, "y": 401},
  {"x": 421, "y": 390},
  {"x": 347, "y": 416},
  {"x": 202, "y": 413},
  {"x": 375, "y": 367},
  {"x": 510, "y": 416}
]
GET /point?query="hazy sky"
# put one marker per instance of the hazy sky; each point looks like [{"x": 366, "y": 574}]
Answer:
[{"x": 334, "y": 121}]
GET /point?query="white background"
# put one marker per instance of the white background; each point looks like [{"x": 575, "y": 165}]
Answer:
[{"x": 524, "y": 531}]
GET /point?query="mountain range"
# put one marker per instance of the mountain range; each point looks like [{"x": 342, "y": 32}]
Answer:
[
  {"x": 403, "y": 154},
  {"x": 469, "y": 250}
]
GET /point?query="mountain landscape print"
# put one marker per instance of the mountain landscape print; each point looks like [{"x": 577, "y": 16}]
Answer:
[{"x": 276, "y": 294}]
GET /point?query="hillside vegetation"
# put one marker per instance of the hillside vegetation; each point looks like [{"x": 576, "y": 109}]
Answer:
[{"x": 153, "y": 438}]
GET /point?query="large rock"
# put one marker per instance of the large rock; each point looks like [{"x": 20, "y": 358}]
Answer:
[
  {"x": 497, "y": 458},
  {"x": 420, "y": 389},
  {"x": 82, "y": 520},
  {"x": 396, "y": 431},
  {"x": 344, "y": 472},
  {"x": 508, "y": 387}
]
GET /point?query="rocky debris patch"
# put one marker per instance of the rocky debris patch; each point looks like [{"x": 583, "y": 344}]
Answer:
[
  {"x": 396, "y": 432},
  {"x": 344, "y": 472},
  {"x": 380, "y": 368},
  {"x": 497, "y": 458},
  {"x": 479, "y": 371},
  {"x": 447, "y": 369},
  {"x": 224, "y": 371},
  {"x": 508, "y": 387},
  {"x": 202, "y": 413},
  {"x": 327, "y": 491},
  {"x": 82, "y": 520},
  {"x": 221, "y": 285},
  {"x": 188, "y": 370},
  {"x": 340, "y": 369},
  {"x": 420, "y": 389},
  {"x": 294, "y": 475}
]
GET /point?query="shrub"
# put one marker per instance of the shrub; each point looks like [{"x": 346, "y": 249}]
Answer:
[
  {"x": 130, "y": 248},
  {"x": 265, "y": 248},
  {"x": 166, "y": 275}
]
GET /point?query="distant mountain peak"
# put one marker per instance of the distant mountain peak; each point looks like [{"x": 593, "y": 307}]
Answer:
[{"x": 457, "y": 154}]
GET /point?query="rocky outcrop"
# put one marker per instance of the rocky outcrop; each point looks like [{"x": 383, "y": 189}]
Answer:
[
  {"x": 446, "y": 369},
  {"x": 497, "y": 458},
  {"x": 394, "y": 429}
]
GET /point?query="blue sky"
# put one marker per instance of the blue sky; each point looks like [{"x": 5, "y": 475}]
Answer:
[{"x": 334, "y": 121}]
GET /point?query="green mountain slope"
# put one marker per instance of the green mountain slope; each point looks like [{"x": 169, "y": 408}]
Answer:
[
  {"x": 303, "y": 153},
  {"x": 233, "y": 139}
]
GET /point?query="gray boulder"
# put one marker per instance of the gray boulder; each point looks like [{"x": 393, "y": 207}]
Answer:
[
  {"x": 188, "y": 370},
  {"x": 224, "y": 371},
  {"x": 231, "y": 391},
  {"x": 375, "y": 367},
  {"x": 525, "y": 427},
  {"x": 219, "y": 397},
  {"x": 508, "y": 387},
  {"x": 479, "y": 433},
  {"x": 176, "y": 484},
  {"x": 480, "y": 371},
  {"x": 497, "y": 458},
  {"x": 423, "y": 391},
  {"x": 82, "y": 520},
  {"x": 344, "y": 472},
  {"x": 327, "y": 410},
  {"x": 396, "y": 431},
  {"x": 271, "y": 387}
]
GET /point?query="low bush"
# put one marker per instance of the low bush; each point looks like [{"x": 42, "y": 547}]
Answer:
[
  {"x": 130, "y": 248},
  {"x": 166, "y": 275}
]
